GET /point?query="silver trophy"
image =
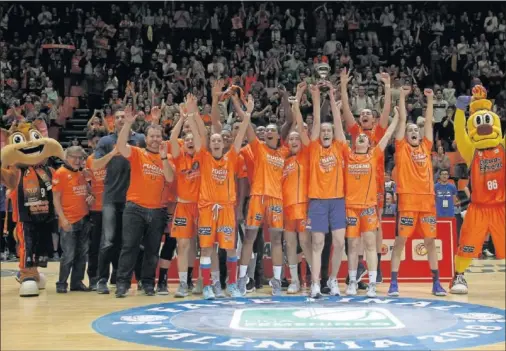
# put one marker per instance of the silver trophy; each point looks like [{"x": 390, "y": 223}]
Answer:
[{"x": 323, "y": 70}]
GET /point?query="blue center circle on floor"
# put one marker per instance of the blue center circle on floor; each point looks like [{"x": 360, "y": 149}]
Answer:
[{"x": 301, "y": 323}]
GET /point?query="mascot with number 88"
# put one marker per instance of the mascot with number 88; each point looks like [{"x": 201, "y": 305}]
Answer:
[{"x": 482, "y": 146}]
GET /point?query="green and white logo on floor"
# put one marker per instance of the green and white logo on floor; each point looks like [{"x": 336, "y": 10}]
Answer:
[{"x": 314, "y": 318}]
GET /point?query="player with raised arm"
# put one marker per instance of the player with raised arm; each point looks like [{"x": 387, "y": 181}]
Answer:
[
  {"x": 374, "y": 130},
  {"x": 326, "y": 194},
  {"x": 361, "y": 201},
  {"x": 415, "y": 186},
  {"x": 295, "y": 198}
]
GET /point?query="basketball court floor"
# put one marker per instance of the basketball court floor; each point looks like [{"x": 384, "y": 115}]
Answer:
[{"x": 416, "y": 320}]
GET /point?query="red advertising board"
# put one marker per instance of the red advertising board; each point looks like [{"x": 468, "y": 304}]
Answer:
[{"x": 414, "y": 265}]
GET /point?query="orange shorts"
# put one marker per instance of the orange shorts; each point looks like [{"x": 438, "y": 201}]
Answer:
[
  {"x": 265, "y": 208},
  {"x": 478, "y": 222},
  {"x": 184, "y": 224},
  {"x": 217, "y": 224},
  {"x": 295, "y": 218},
  {"x": 409, "y": 222},
  {"x": 170, "y": 215},
  {"x": 360, "y": 220}
]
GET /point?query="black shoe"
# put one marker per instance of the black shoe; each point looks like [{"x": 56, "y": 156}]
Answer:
[
  {"x": 113, "y": 277},
  {"x": 161, "y": 288},
  {"x": 93, "y": 284},
  {"x": 250, "y": 287},
  {"x": 361, "y": 272},
  {"x": 121, "y": 290},
  {"x": 190, "y": 285},
  {"x": 149, "y": 290},
  {"x": 379, "y": 277},
  {"x": 324, "y": 289},
  {"x": 61, "y": 288},
  {"x": 42, "y": 261},
  {"x": 347, "y": 280},
  {"x": 285, "y": 284},
  {"x": 102, "y": 287},
  {"x": 79, "y": 287},
  {"x": 362, "y": 286}
]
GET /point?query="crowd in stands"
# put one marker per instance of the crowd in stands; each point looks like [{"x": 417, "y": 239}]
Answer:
[{"x": 104, "y": 56}]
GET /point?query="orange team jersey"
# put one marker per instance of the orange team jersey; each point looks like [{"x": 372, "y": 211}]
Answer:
[
  {"x": 326, "y": 170},
  {"x": 241, "y": 170},
  {"x": 187, "y": 177},
  {"x": 97, "y": 184},
  {"x": 296, "y": 178},
  {"x": 375, "y": 134},
  {"x": 360, "y": 178},
  {"x": 169, "y": 145},
  {"x": 147, "y": 181},
  {"x": 487, "y": 176},
  {"x": 415, "y": 178},
  {"x": 249, "y": 161},
  {"x": 268, "y": 170},
  {"x": 169, "y": 191},
  {"x": 217, "y": 178},
  {"x": 74, "y": 190}
]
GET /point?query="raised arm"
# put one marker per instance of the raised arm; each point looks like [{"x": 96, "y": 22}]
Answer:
[
  {"x": 349, "y": 120},
  {"x": 168, "y": 171},
  {"x": 390, "y": 130},
  {"x": 123, "y": 136},
  {"x": 336, "y": 114},
  {"x": 401, "y": 130},
  {"x": 315, "y": 94},
  {"x": 216, "y": 91},
  {"x": 300, "y": 123},
  {"x": 383, "y": 121},
  {"x": 245, "y": 124},
  {"x": 429, "y": 115},
  {"x": 174, "y": 135},
  {"x": 197, "y": 139},
  {"x": 192, "y": 107}
]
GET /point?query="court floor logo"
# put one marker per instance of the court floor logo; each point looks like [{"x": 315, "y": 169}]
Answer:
[{"x": 300, "y": 323}]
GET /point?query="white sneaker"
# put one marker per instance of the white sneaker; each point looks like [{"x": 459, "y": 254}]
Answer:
[
  {"x": 333, "y": 285},
  {"x": 351, "y": 290},
  {"x": 315, "y": 291},
  {"x": 293, "y": 288},
  {"x": 371, "y": 290}
]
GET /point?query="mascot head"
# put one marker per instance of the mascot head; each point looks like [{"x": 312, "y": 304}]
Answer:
[
  {"x": 483, "y": 125},
  {"x": 28, "y": 144}
]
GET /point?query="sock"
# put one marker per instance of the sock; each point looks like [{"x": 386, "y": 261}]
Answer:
[
  {"x": 190, "y": 275},
  {"x": 162, "y": 275},
  {"x": 205, "y": 268},
  {"x": 294, "y": 273},
  {"x": 372, "y": 277},
  {"x": 242, "y": 270},
  {"x": 353, "y": 276},
  {"x": 183, "y": 277},
  {"x": 435, "y": 275},
  {"x": 393, "y": 277},
  {"x": 215, "y": 277},
  {"x": 232, "y": 269},
  {"x": 251, "y": 266},
  {"x": 461, "y": 264},
  {"x": 277, "y": 272}
]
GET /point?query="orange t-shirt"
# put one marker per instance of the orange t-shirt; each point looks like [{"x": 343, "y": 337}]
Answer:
[
  {"x": 249, "y": 161},
  {"x": 296, "y": 178},
  {"x": 241, "y": 170},
  {"x": 217, "y": 182},
  {"x": 375, "y": 134},
  {"x": 267, "y": 169},
  {"x": 147, "y": 181},
  {"x": 415, "y": 177},
  {"x": 326, "y": 170},
  {"x": 74, "y": 190},
  {"x": 187, "y": 177},
  {"x": 97, "y": 184},
  {"x": 487, "y": 176},
  {"x": 360, "y": 178},
  {"x": 109, "y": 120}
]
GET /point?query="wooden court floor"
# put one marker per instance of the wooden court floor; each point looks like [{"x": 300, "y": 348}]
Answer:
[{"x": 63, "y": 322}]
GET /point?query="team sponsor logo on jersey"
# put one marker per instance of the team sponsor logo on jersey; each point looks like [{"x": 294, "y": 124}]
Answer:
[
  {"x": 359, "y": 168},
  {"x": 219, "y": 175},
  {"x": 277, "y": 209},
  {"x": 368, "y": 212},
  {"x": 351, "y": 221},
  {"x": 289, "y": 168},
  {"x": 468, "y": 249},
  {"x": 275, "y": 161},
  {"x": 225, "y": 229},
  {"x": 327, "y": 163},
  {"x": 490, "y": 165},
  {"x": 204, "y": 230},
  {"x": 302, "y": 323},
  {"x": 429, "y": 219},
  {"x": 152, "y": 170},
  {"x": 419, "y": 158},
  {"x": 180, "y": 222}
]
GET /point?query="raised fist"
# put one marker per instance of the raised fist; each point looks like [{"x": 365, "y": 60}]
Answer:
[{"x": 462, "y": 102}]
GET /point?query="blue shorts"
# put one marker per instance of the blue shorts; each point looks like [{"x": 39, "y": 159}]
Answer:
[{"x": 325, "y": 214}]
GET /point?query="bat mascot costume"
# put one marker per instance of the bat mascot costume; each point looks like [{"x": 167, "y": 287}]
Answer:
[
  {"x": 26, "y": 148},
  {"x": 481, "y": 144}
]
